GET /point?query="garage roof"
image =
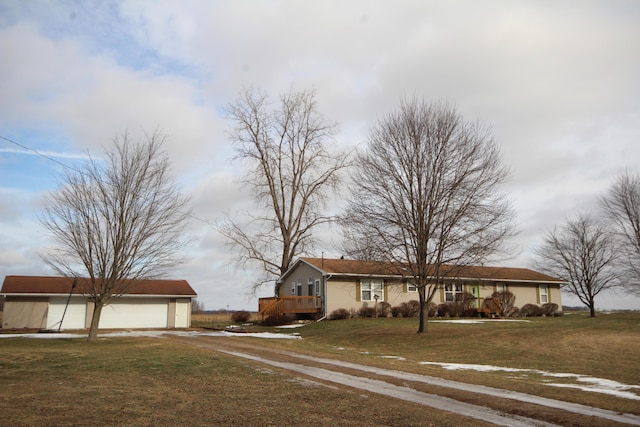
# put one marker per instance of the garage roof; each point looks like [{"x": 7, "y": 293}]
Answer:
[{"x": 49, "y": 285}]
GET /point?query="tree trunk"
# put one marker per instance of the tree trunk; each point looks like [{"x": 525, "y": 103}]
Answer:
[
  {"x": 422, "y": 328},
  {"x": 592, "y": 309},
  {"x": 95, "y": 321}
]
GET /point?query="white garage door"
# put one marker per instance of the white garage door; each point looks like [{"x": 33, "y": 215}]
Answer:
[
  {"x": 135, "y": 313},
  {"x": 74, "y": 317}
]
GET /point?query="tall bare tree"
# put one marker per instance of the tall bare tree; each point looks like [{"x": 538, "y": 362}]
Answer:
[
  {"x": 117, "y": 220},
  {"x": 426, "y": 195},
  {"x": 582, "y": 252},
  {"x": 292, "y": 172},
  {"x": 621, "y": 206}
]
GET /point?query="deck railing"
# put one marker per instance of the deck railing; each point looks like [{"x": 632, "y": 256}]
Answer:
[{"x": 278, "y": 306}]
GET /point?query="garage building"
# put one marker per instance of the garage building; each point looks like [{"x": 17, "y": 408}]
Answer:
[{"x": 44, "y": 302}]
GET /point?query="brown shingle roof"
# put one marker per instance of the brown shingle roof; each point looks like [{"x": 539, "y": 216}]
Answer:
[
  {"x": 347, "y": 267},
  {"x": 62, "y": 285}
]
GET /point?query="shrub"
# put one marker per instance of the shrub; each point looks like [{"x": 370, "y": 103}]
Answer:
[
  {"x": 340, "y": 314},
  {"x": 413, "y": 308},
  {"x": 464, "y": 307},
  {"x": 530, "y": 310},
  {"x": 443, "y": 310},
  {"x": 433, "y": 309},
  {"x": 240, "y": 316},
  {"x": 366, "y": 311},
  {"x": 505, "y": 301},
  {"x": 397, "y": 311},
  {"x": 550, "y": 310},
  {"x": 384, "y": 309},
  {"x": 278, "y": 320}
]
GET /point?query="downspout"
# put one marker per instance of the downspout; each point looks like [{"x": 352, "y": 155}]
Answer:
[{"x": 325, "y": 279}]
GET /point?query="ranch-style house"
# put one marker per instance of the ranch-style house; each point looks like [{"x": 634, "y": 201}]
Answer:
[{"x": 316, "y": 287}]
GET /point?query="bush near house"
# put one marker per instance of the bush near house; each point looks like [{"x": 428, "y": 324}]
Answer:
[
  {"x": 550, "y": 310},
  {"x": 366, "y": 312},
  {"x": 340, "y": 314},
  {"x": 503, "y": 305},
  {"x": 410, "y": 309},
  {"x": 384, "y": 309},
  {"x": 530, "y": 310},
  {"x": 278, "y": 320},
  {"x": 240, "y": 316}
]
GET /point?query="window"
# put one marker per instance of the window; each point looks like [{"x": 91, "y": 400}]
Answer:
[
  {"x": 453, "y": 292},
  {"x": 293, "y": 288},
  {"x": 370, "y": 288},
  {"x": 299, "y": 287},
  {"x": 544, "y": 293},
  {"x": 310, "y": 288},
  {"x": 501, "y": 287},
  {"x": 317, "y": 286},
  {"x": 411, "y": 287}
]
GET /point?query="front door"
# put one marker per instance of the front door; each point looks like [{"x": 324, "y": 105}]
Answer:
[{"x": 475, "y": 291}]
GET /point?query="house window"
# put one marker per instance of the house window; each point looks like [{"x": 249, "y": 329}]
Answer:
[
  {"x": 544, "y": 294},
  {"x": 293, "y": 288},
  {"x": 317, "y": 286},
  {"x": 453, "y": 292},
  {"x": 411, "y": 287},
  {"x": 370, "y": 288},
  {"x": 299, "y": 287},
  {"x": 501, "y": 287}
]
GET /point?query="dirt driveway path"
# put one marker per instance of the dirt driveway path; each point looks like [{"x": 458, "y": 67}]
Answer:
[{"x": 465, "y": 399}]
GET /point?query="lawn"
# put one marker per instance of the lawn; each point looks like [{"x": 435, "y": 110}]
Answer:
[{"x": 157, "y": 382}]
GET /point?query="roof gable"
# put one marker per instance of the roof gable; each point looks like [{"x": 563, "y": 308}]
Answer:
[
  {"x": 62, "y": 285},
  {"x": 344, "y": 267}
]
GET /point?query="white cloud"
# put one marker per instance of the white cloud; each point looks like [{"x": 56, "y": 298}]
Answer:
[{"x": 558, "y": 84}]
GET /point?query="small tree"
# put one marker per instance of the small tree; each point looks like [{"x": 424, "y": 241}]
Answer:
[
  {"x": 292, "y": 174},
  {"x": 621, "y": 206},
  {"x": 117, "y": 220},
  {"x": 584, "y": 254},
  {"x": 503, "y": 303}
]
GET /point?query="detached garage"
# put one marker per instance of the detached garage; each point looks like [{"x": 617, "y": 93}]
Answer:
[{"x": 42, "y": 302}]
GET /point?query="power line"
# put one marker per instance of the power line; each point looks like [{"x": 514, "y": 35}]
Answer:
[{"x": 24, "y": 147}]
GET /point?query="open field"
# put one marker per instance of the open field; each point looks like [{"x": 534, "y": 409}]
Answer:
[{"x": 155, "y": 381}]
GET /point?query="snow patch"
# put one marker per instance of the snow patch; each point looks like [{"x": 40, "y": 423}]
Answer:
[
  {"x": 590, "y": 384},
  {"x": 158, "y": 334}
]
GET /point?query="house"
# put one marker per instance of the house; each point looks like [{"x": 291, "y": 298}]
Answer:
[
  {"x": 318, "y": 286},
  {"x": 42, "y": 302}
]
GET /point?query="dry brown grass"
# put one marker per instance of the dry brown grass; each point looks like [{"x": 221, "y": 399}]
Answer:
[{"x": 158, "y": 382}]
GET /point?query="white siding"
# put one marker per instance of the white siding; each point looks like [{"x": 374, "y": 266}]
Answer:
[{"x": 135, "y": 313}]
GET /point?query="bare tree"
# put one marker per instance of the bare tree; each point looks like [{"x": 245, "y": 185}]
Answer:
[
  {"x": 621, "y": 206},
  {"x": 425, "y": 195},
  {"x": 292, "y": 172},
  {"x": 583, "y": 253},
  {"x": 117, "y": 220},
  {"x": 197, "y": 306}
]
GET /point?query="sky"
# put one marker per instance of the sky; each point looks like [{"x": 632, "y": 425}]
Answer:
[{"x": 557, "y": 81}]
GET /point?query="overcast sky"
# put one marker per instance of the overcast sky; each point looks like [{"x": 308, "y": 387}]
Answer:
[{"x": 558, "y": 81}]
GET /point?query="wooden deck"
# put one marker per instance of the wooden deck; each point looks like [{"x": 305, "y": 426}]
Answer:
[{"x": 278, "y": 306}]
